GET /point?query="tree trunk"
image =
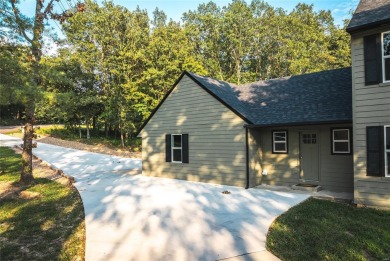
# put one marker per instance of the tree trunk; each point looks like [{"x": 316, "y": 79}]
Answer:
[
  {"x": 106, "y": 128},
  {"x": 122, "y": 139},
  {"x": 26, "y": 175},
  {"x": 94, "y": 124},
  {"x": 87, "y": 123},
  {"x": 80, "y": 130},
  {"x": 36, "y": 51},
  {"x": 238, "y": 71}
]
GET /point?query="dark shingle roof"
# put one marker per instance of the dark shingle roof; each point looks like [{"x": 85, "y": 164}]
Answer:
[
  {"x": 310, "y": 98},
  {"x": 370, "y": 13}
]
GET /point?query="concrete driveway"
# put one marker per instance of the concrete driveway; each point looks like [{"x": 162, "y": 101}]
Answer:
[{"x": 133, "y": 217}]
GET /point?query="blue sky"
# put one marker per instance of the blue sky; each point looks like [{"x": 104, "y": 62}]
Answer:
[{"x": 175, "y": 8}]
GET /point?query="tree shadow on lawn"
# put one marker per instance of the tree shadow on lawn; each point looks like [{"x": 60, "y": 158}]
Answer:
[{"x": 49, "y": 225}]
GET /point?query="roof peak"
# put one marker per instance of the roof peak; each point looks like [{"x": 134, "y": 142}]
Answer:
[
  {"x": 369, "y": 14},
  {"x": 324, "y": 96},
  {"x": 266, "y": 80}
]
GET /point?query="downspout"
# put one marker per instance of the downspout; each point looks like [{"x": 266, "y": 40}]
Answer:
[{"x": 247, "y": 157}]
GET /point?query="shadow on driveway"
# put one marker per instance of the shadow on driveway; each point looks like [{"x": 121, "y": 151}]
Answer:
[{"x": 133, "y": 217}]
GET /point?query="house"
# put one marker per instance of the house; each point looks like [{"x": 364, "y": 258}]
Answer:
[
  {"x": 328, "y": 129},
  {"x": 213, "y": 131},
  {"x": 370, "y": 49}
]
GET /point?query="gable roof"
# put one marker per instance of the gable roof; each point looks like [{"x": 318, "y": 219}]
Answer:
[
  {"x": 322, "y": 97},
  {"x": 369, "y": 13},
  {"x": 314, "y": 98}
]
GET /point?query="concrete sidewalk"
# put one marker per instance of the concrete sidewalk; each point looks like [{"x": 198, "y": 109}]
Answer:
[{"x": 133, "y": 217}]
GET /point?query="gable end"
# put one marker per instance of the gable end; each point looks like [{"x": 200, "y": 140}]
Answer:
[{"x": 204, "y": 88}]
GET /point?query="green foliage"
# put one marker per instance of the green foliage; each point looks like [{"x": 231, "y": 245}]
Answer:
[
  {"x": 168, "y": 53},
  {"x": 243, "y": 42},
  {"x": 15, "y": 84},
  {"x": 30, "y": 32},
  {"x": 324, "y": 230},
  {"x": 119, "y": 64},
  {"x": 134, "y": 65},
  {"x": 111, "y": 46}
]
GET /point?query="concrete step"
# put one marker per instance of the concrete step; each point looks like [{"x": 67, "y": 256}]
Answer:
[{"x": 306, "y": 187}]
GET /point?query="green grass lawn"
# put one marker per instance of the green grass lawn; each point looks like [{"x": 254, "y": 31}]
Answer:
[
  {"x": 41, "y": 221},
  {"x": 324, "y": 230}
]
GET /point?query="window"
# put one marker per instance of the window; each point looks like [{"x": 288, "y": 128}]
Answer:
[
  {"x": 387, "y": 150},
  {"x": 372, "y": 61},
  {"x": 377, "y": 58},
  {"x": 341, "y": 141},
  {"x": 176, "y": 148},
  {"x": 309, "y": 138},
  {"x": 279, "y": 142},
  {"x": 386, "y": 56},
  {"x": 378, "y": 151}
]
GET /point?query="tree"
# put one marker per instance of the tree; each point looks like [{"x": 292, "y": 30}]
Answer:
[
  {"x": 71, "y": 94},
  {"x": 238, "y": 26},
  {"x": 29, "y": 30},
  {"x": 168, "y": 53},
  {"x": 247, "y": 42},
  {"x": 110, "y": 42},
  {"x": 14, "y": 82},
  {"x": 339, "y": 46},
  {"x": 14, "y": 69},
  {"x": 203, "y": 28}
]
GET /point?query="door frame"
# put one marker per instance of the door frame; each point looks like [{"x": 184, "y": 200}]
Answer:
[{"x": 301, "y": 178}]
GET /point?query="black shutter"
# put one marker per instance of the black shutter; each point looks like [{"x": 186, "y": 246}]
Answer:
[
  {"x": 375, "y": 151},
  {"x": 168, "y": 151},
  {"x": 185, "y": 148},
  {"x": 372, "y": 59}
]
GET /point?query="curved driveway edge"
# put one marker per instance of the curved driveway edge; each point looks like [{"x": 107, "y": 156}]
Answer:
[{"x": 133, "y": 217}]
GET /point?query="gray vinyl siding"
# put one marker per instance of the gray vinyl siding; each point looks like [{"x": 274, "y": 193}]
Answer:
[
  {"x": 216, "y": 138},
  {"x": 335, "y": 171},
  {"x": 371, "y": 107},
  {"x": 373, "y": 192}
]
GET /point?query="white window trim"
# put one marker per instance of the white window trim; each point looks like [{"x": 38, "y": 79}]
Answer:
[
  {"x": 335, "y": 141},
  {"x": 172, "y": 148},
  {"x": 383, "y": 58},
  {"x": 387, "y": 174},
  {"x": 279, "y": 141}
]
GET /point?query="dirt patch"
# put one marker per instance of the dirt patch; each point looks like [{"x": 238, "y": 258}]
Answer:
[
  {"x": 6, "y": 129},
  {"x": 29, "y": 195},
  {"x": 91, "y": 148},
  {"x": 13, "y": 128},
  {"x": 8, "y": 190},
  {"x": 99, "y": 148}
]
